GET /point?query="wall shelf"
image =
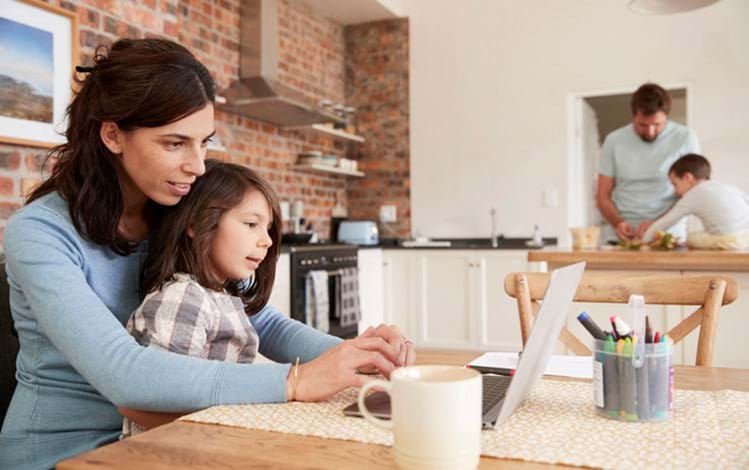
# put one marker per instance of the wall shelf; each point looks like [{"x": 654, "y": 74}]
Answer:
[
  {"x": 216, "y": 147},
  {"x": 329, "y": 169},
  {"x": 321, "y": 129}
]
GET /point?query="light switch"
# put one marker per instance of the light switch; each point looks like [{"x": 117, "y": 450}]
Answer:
[
  {"x": 388, "y": 214},
  {"x": 550, "y": 197}
]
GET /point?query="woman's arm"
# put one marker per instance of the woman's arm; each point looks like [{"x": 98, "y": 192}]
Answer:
[{"x": 46, "y": 260}]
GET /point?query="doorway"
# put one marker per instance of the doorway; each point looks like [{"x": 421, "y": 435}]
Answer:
[{"x": 591, "y": 116}]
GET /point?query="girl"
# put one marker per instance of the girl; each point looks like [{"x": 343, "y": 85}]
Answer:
[{"x": 137, "y": 132}]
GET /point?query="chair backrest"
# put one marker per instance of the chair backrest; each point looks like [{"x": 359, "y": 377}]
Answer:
[
  {"x": 8, "y": 346},
  {"x": 707, "y": 292}
]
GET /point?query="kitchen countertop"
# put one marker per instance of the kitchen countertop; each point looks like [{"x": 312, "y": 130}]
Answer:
[
  {"x": 466, "y": 244},
  {"x": 646, "y": 259},
  {"x": 456, "y": 244}
]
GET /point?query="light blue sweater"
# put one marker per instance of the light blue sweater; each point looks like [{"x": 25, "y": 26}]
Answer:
[{"x": 70, "y": 300}]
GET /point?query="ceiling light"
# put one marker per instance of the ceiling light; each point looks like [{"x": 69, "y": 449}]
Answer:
[{"x": 665, "y": 7}]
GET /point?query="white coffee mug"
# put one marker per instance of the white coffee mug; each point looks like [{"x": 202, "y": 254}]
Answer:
[{"x": 435, "y": 416}]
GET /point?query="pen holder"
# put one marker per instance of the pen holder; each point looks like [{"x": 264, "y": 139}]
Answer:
[{"x": 636, "y": 386}]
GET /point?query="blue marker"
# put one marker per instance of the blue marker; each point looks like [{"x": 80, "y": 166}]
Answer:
[{"x": 591, "y": 326}]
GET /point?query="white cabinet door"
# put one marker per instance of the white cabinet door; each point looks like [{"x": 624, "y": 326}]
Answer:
[
  {"x": 444, "y": 299},
  {"x": 498, "y": 325},
  {"x": 399, "y": 290},
  {"x": 733, "y": 324},
  {"x": 371, "y": 290},
  {"x": 280, "y": 296}
]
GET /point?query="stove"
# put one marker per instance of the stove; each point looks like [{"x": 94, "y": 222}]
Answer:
[{"x": 320, "y": 256}]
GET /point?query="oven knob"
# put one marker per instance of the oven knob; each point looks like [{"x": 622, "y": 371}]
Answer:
[{"x": 315, "y": 261}]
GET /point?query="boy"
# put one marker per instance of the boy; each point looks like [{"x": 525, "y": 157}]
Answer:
[{"x": 722, "y": 208}]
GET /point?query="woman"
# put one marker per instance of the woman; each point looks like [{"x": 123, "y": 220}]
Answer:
[{"x": 136, "y": 141}]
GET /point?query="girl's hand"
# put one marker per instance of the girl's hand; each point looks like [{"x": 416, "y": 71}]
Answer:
[{"x": 335, "y": 369}]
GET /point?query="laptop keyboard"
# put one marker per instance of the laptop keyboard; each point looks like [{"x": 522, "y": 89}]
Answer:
[{"x": 495, "y": 388}]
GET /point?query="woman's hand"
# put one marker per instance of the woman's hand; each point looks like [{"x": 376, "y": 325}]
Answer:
[
  {"x": 382, "y": 348},
  {"x": 394, "y": 337}
]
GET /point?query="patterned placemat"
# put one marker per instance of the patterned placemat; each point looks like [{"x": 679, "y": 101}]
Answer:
[{"x": 557, "y": 424}]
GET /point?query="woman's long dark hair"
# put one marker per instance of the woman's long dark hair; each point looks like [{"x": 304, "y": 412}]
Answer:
[
  {"x": 137, "y": 83},
  {"x": 172, "y": 250}
]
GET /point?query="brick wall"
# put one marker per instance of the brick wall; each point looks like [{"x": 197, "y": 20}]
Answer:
[
  {"x": 311, "y": 60},
  {"x": 377, "y": 84}
]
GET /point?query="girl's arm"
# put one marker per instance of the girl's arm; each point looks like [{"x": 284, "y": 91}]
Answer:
[
  {"x": 283, "y": 339},
  {"x": 46, "y": 261},
  {"x": 149, "y": 419}
]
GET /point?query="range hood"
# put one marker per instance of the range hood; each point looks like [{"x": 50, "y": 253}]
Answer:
[{"x": 258, "y": 94}]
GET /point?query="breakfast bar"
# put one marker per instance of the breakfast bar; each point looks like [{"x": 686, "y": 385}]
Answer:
[
  {"x": 646, "y": 259},
  {"x": 733, "y": 320}
]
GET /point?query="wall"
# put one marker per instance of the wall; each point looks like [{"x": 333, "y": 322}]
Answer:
[
  {"x": 377, "y": 84},
  {"x": 489, "y": 85},
  {"x": 311, "y": 60}
]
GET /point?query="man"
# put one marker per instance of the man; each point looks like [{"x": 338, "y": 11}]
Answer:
[{"x": 633, "y": 184}]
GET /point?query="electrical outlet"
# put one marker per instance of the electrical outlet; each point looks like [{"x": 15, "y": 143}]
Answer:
[
  {"x": 388, "y": 214},
  {"x": 550, "y": 197}
]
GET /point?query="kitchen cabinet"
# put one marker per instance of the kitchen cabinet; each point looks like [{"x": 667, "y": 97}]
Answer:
[
  {"x": 371, "y": 287},
  {"x": 280, "y": 296},
  {"x": 453, "y": 298},
  {"x": 399, "y": 286}
]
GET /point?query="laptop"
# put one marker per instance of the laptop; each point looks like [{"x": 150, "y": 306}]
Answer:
[{"x": 502, "y": 394}]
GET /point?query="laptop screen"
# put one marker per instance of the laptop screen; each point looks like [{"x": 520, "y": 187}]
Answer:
[{"x": 543, "y": 338}]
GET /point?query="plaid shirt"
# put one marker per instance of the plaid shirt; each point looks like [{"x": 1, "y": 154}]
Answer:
[{"x": 186, "y": 318}]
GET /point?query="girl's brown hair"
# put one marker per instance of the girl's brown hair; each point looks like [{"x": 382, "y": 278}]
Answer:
[
  {"x": 137, "y": 83},
  {"x": 172, "y": 250}
]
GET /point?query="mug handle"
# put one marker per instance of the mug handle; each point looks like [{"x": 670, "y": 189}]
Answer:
[{"x": 387, "y": 387}]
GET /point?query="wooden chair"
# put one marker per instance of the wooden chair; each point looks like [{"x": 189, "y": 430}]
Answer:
[{"x": 708, "y": 292}]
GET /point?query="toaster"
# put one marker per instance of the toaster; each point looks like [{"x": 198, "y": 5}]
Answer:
[{"x": 358, "y": 232}]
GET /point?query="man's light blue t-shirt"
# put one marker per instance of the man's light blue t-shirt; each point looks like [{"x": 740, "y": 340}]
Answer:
[{"x": 642, "y": 190}]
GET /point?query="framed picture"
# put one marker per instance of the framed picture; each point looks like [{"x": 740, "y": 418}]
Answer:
[{"x": 38, "y": 50}]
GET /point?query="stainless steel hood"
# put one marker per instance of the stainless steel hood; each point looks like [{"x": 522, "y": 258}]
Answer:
[{"x": 258, "y": 94}]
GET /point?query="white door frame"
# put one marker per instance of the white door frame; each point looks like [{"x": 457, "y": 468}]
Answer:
[{"x": 575, "y": 140}]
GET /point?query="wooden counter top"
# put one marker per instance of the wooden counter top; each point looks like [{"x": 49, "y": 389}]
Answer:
[{"x": 646, "y": 259}]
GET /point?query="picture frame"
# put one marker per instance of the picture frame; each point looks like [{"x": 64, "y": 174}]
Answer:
[{"x": 38, "y": 52}]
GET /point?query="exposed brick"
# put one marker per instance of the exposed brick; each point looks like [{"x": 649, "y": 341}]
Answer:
[
  {"x": 10, "y": 160},
  {"x": 8, "y": 208},
  {"x": 28, "y": 185},
  {"x": 6, "y": 186},
  {"x": 377, "y": 84},
  {"x": 171, "y": 29},
  {"x": 314, "y": 63},
  {"x": 34, "y": 162},
  {"x": 88, "y": 17}
]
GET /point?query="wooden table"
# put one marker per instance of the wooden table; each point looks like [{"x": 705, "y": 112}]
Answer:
[
  {"x": 646, "y": 259},
  {"x": 184, "y": 445}
]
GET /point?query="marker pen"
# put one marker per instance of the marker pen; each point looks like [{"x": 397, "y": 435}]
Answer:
[{"x": 591, "y": 326}]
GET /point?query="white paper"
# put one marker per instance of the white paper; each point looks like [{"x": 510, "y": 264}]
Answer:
[{"x": 580, "y": 367}]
